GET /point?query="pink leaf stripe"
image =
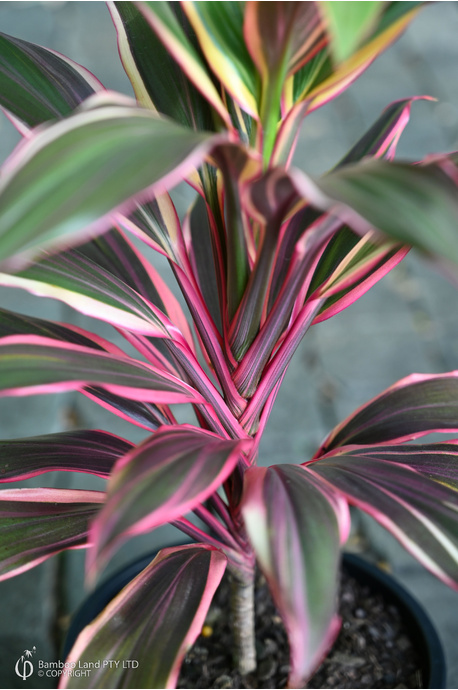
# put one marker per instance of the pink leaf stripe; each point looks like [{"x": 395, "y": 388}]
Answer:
[
  {"x": 159, "y": 481},
  {"x": 163, "y": 609},
  {"x": 297, "y": 524},
  {"x": 38, "y": 523},
  {"x": 30, "y": 364}
]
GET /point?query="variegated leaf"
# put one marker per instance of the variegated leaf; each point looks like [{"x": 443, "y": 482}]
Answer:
[
  {"x": 159, "y": 481},
  {"x": 38, "y": 84},
  {"x": 417, "y": 405},
  {"x": 296, "y": 525},
  {"x": 219, "y": 28},
  {"x": 105, "y": 153},
  {"x": 94, "y": 452},
  {"x": 419, "y": 512},
  {"x": 38, "y": 523},
  {"x": 146, "y": 415},
  {"x": 168, "y": 90},
  {"x": 33, "y": 364},
  {"x": 154, "y": 620},
  {"x": 165, "y": 24}
]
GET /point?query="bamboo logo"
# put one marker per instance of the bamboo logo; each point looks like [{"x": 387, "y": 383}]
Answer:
[{"x": 24, "y": 667}]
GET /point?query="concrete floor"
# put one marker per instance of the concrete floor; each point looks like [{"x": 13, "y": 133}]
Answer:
[{"x": 407, "y": 323}]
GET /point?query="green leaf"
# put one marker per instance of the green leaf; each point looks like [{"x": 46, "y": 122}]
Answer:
[
  {"x": 154, "y": 620},
  {"x": 37, "y": 84},
  {"x": 220, "y": 29},
  {"x": 157, "y": 79},
  {"x": 414, "y": 204},
  {"x": 61, "y": 183},
  {"x": 320, "y": 81},
  {"x": 164, "y": 22},
  {"x": 348, "y": 24}
]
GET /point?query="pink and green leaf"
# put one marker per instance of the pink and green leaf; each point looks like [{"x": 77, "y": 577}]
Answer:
[
  {"x": 144, "y": 414},
  {"x": 93, "y": 281},
  {"x": 38, "y": 84},
  {"x": 159, "y": 481},
  {"x": 413, "y": 407},
  {"x": 379, "y": 141},
  {"x": 93, "y": 452},
  {"x": 419, "y": 512},
  {"x": 109, "y": 154},
  {"x": 437, "y": 461},
  {"x": 296, "y": 525},
  {"x": 162, "y": 609},
  {"x": 39, "y": 523},
  {"x": 359, "y": 264},
  {"x": 33, "y": 364},
  {"x": 382, "y": 137}
]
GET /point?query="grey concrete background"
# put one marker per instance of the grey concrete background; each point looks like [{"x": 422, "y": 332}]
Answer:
[{"x": 407, "y": 323}]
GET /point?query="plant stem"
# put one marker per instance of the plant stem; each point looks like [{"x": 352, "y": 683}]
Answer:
[{"x": 243, "y": 624}]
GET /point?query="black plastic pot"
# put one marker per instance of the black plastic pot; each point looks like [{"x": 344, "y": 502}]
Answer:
[{"x": 417, "y": 621}]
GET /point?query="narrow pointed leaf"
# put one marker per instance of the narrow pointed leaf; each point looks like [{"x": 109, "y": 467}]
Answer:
[
  {"x": 417, "y": 405},
  {"x": 159, "y": 481},
  {"x": 157, "y": 224},
  {"x": 380, "y": 140},
  {"x": 32, "y": 365},
  {"x": 108, "y": 154},
  {"x": 437, "y": 461},
  {"x": 154, "y": 620},
  {"x": 89, "y": 288},
  {"x": 348, "y": 24},
  {"x": 382, "y": 137},
  {"x": 357, "y": 263},
  {"x": 167, "y": 89},
  {"x": 296, "y": 525},
  {"x": 280, "y": 36},
  {"x": 144, "y": 414},
  {"x": 38, "y": 523},
  {"x": 219, "y": 28},
  {"x": 422, "y": 514},
  {"x": 94, "y": 452},
  {"x": 38, "y": 84},
  {"x": 168, "y": 29}
]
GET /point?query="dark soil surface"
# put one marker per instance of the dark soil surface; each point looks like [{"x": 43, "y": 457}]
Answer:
[{"x": 373, "y": 649}]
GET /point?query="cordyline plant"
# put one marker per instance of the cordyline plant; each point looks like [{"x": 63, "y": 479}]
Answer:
[{"x": 264, "y": 253}]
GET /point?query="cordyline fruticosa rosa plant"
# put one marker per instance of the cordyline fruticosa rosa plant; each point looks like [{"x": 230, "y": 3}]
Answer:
[{"x": 263, "y": 254}]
